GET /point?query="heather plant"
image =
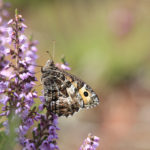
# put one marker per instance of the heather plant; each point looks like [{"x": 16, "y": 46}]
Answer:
[
  {"x": 90, "y": 143},
  {"x": 18, "y": 95}
]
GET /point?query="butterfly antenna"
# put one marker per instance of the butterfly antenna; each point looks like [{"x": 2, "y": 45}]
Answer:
[
  {"x": 53, "y": 50},
  {"x": 51, "y": 56}
]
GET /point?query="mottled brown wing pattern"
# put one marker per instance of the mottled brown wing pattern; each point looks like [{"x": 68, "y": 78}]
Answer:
[{"x": 64, "y": 93}]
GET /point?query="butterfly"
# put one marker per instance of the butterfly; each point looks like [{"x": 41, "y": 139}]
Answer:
[{"x": 64, "y": 93}]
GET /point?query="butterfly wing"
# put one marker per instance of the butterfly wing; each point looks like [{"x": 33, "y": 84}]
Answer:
[
  {"x": 65, "y": 93},
  {"x": 59, "y": 97}
]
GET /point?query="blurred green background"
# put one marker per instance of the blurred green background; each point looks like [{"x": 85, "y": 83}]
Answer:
[{"x": 107, "y": 43}]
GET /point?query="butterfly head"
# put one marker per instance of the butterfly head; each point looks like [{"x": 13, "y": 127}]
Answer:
[{"x": 49, "y": 64}]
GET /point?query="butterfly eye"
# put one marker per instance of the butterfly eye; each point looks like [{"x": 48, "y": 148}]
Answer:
[{"x": 85, "y": 93}]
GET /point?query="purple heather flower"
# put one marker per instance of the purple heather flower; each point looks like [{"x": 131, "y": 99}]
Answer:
[
  {"x": 63, "y": 66},
  {"x": 24, "y": 114},
  {"x": 29, "y": 145},
  {"x": 23, "y": 129},
  {"x": 24, "y": 76},
  {"x": 29, "y": 122},
  {"x": 4, "y": 99},
  {"x": 42, "y": 99},
  {"x": 22, "y": 39},
  {"x": 24, "y": 47},
  {"x": 45, "y": 145},
  {"x": 34, "y": 48},
  {"x": 48, "y": 146},
  {"x": 23, "y": 27},
  {"x": 41, "y": 107},
  {"x": 18, "y": 110},
  {"x": 10, "y": 21},
  {"x": 3, "y": 86},
  {"x": 27, "y": 87},
  {"x": 90, "y": 143}
]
